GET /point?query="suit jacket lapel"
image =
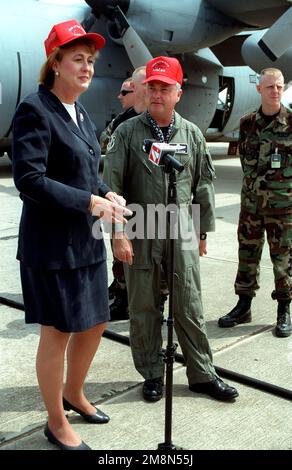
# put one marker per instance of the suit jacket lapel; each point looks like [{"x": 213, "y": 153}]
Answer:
[
  {"x": 79, "y": 130},
  {"x": 62, "y": 111},
  {"x": 84, "y": 125}
]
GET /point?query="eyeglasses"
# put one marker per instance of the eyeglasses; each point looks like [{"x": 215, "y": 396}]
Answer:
[{"x": 125, "y": 92}]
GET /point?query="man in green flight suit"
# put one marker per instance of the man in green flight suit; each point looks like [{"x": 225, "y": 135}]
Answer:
[
  {"x": 128, "y": 171},
  {"x": 266, "y": 202}
]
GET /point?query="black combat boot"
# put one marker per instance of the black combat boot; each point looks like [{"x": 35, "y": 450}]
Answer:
[
  {"x": 284, "y": 327},
  {"x": 241, "y": 313},
  {"x": 119, "y": 308}
]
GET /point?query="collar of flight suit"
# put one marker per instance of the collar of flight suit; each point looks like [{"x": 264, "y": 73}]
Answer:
[{"x": 176, "y": 124}]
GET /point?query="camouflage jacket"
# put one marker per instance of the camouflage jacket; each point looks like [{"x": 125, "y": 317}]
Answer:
[
  {"x": 105, "y": 136},
  {"x": 266, "y": 187}
]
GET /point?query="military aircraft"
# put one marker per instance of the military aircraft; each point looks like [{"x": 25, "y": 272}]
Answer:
[{"x": 220, "y": 43}]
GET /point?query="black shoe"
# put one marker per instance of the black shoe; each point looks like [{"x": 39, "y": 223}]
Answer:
[
  {"x": 51, "y": 438},
  {"x": 98, "y": 418},
  {"x": 215, "y": 389},
  {"x": 152, "y": 389},
  {"x": 112, "y": 289},
  {"x": 119, "y": 308},
  {"x": 241, "y": 313},
  {"x": 284, "y": 327}
]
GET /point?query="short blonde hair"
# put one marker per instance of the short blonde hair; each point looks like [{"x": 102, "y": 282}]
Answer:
[
  {"x": 47, "y": 74},
  {"x": 128, "y": 81},
  {"x": 139, "y": 73},
  {"x": 269, "y": 71}
]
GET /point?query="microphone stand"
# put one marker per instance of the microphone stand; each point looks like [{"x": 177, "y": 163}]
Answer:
[{"x": 171, "y": 346}]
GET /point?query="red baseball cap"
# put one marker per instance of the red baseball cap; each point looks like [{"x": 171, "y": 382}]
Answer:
[
  {"x": 164, "y": 69},
  {"x": 63, "y": 33}
]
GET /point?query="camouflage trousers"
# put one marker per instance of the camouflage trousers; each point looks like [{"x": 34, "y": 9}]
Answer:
[{"x": 251, "y": 238}]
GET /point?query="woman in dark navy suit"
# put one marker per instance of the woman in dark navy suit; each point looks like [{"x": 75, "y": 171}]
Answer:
[{"x": 63, "y": 267}]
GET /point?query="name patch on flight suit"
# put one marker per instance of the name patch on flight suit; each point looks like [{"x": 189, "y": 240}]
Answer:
[{"x": 180, "y": 148}]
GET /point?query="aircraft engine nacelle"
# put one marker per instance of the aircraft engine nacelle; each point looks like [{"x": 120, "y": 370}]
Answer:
[
  {"x": 257, "y": 59},
  {"x": 9, "y": 89},
  {"x": 201, "y": 87},
  {"x": 238, "y": 96},
  {"x": 179, "y": 27}
]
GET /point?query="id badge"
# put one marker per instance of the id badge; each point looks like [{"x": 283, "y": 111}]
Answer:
[{"x": 275, "y": 160}]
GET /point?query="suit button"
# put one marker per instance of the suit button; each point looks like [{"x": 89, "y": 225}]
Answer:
[{"x": 91, "y": 151}]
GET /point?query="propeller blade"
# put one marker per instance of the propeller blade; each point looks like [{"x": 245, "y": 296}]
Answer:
[
  {"x": 278, "y": 38},
  {"x": 137, "y": 51}
]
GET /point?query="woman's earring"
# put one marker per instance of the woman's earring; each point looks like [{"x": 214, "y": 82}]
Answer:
[{"x": 57, "y": 74}]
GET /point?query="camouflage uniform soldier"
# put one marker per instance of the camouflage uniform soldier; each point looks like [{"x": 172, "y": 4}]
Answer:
[
  {"x": 129, "y": 170},
  {"x": 266, "y": 202}
]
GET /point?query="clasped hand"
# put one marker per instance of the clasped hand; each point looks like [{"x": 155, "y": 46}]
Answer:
[{"x": 110, "y": 209}]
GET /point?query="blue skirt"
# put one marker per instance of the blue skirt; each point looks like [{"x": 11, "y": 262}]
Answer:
[{"x": 71, "y": 300}]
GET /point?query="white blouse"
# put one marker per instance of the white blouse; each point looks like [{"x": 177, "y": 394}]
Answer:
[{"x": 72, "y": 111}]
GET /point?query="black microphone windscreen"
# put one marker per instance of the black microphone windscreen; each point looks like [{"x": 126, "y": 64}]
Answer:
[{"x": 147, "y": 144}]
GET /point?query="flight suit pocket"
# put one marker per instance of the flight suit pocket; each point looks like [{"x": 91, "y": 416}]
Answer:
[
  {"x": 190, "y": 297},
  {"x": 142, "y": 253},
  {"x": 183, "y": 158},
  {"x": 183, "y": 289},
  {"x": 141, "y": 181},
  {"x": 188, "y": 286},
  {"x": 144, "y": 189},
  {"x": 147, "y": 168},
  {"x": 208, "y": 170}
]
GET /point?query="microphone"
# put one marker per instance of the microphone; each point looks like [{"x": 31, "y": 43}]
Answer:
[{"x": 162, "y": 154}]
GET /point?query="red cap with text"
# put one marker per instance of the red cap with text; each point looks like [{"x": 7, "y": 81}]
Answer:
[
  {"x": 63, "y": 33},
  {"x": 164, "y": 69}
]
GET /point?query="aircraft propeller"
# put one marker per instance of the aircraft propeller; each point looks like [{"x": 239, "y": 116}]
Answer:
[
  {"x": 136, "y": 49},
  {"x": 114, "y": 11},
  {"x": 276, "y": 40}
]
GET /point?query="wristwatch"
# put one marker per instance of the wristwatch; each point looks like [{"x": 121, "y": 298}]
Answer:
[{"x": 203, "y": 236}]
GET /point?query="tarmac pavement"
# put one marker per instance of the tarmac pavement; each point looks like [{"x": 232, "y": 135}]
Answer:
[{"x": 257, "y": 420}]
